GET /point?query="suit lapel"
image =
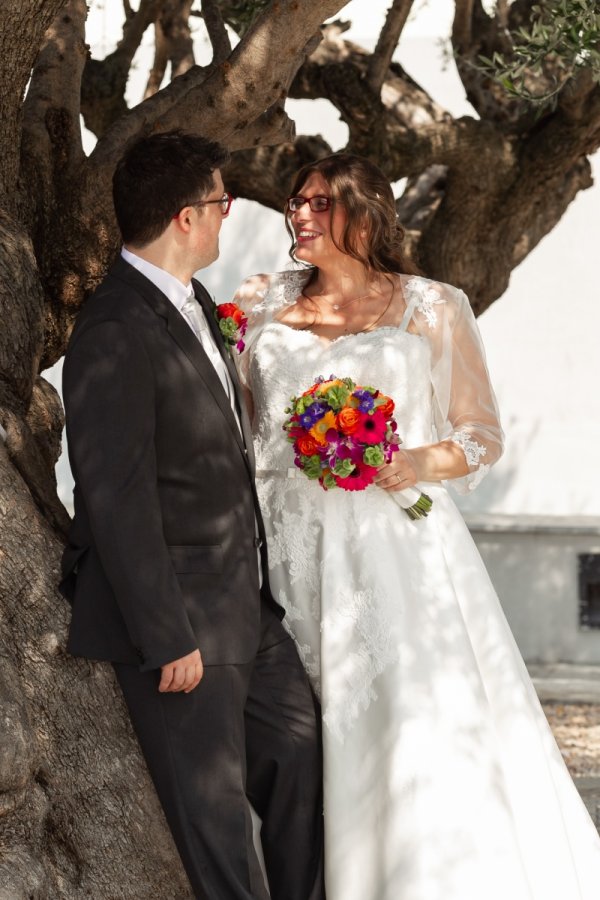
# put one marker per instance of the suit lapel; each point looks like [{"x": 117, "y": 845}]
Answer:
[
  {"x": 208, "y": 306},
  {"x": 183, "y": 335}
]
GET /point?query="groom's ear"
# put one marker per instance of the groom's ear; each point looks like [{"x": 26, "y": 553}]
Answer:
[{"x": 182, "y": 219}]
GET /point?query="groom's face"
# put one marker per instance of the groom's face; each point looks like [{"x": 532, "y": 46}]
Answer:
[{"x": 208, "y": 221}]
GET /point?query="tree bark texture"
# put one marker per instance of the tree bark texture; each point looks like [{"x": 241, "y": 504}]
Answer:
[{"x": 78, "y": 815}]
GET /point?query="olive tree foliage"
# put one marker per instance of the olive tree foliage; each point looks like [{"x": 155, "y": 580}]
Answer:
[{"x": 78, "y": 815}]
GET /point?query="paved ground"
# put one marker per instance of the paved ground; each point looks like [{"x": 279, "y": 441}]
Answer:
[
  {"x": 576, "y": 728},
  {"x": 570, "y": 696}
]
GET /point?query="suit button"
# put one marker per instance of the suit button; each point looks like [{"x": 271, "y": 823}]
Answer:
[{"x": 258, "y": 542}]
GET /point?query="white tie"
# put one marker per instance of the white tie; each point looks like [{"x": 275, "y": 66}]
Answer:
[{"x": 192, "y": 312}]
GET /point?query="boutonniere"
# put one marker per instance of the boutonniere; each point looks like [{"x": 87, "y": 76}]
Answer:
[{"x": 232, "y": 324}]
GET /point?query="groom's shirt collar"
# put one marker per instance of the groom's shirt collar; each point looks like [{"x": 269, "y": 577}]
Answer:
[{"x": 172, "y": 287}]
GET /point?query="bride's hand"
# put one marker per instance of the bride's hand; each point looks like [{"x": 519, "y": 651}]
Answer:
[{"x": 399, "y": 474}]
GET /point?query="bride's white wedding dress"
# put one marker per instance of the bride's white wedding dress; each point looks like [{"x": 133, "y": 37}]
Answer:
[{"x": 442, "y": 779}]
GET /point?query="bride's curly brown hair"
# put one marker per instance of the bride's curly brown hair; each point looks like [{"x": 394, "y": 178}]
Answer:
[{"x": 372, "y": 234}]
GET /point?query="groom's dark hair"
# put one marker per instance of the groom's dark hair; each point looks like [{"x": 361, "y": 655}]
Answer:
[{"x": 159, "y": 175}]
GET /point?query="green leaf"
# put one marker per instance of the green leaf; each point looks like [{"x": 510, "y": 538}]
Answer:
[
  {"x": 373, "y": 456},
  {"x": 228, "y": 327},
  {"x": 337, "y": 397},
  {"x": 329, "y": 481},
  {"x": 343, "y": 468},
  {"x": 311, "y": 466}
]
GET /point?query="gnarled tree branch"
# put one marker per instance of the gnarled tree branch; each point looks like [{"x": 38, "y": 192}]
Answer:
[
  {"x": 240, "y": 89},
  {"x": 52, "y": 145},
  {"x": 31, "y": 19},
  {"x": 104, "y": 81},
  {"x": 217, "y": 33},
  {"x": 273, "y": 127},
  {"x": 387, "y": 43},
  {"x": 159, "y": 63},
  {"x": 174, "y": 22},
  {"x": 462, "y": 25}
]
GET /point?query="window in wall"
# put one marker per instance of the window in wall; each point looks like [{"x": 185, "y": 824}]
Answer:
[{"x": 589, "y": 590}]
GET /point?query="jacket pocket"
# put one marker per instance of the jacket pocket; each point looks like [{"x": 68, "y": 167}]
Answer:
[{"x": 197, "y": 560}]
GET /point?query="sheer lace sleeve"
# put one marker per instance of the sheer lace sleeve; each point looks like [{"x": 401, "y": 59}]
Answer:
[
  {"x": 465, "y": 409},
  {"x": 262, "y": 297}
]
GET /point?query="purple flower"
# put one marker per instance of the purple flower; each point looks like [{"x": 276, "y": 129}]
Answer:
[
  {"x": 336, "y": 447},
  {"x": 356, "y": 453},
  {"x": 312, "y": 414},
  {"x": 366, "y": 401}
]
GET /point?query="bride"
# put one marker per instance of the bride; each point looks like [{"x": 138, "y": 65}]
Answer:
[{"x": 442, "y": 779}]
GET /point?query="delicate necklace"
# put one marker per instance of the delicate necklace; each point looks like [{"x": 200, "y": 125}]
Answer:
[
  {"x": 368, "y": 328},
  {"x": 339, "y": 306}
]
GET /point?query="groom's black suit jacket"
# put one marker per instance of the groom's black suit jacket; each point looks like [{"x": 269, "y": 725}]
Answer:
[{"x": 162, "y": 551}]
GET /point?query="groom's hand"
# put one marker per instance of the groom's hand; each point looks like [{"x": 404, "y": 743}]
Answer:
[{"x": 182, "y": 674}]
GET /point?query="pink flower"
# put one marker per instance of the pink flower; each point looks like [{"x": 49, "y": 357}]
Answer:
[
  {"x": 361, "y": 477},
  {"x": 372, "y": 429}
]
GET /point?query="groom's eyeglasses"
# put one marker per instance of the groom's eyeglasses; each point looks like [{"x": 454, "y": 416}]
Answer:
[
  {"x": 317, "y": 204},
  {"x": 225, "y": 203}
]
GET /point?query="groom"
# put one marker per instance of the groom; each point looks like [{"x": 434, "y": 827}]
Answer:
[{"x": 166, "y": 564}]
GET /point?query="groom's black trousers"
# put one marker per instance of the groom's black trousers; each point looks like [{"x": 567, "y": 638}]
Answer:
[{"x": 247, "y": 731}]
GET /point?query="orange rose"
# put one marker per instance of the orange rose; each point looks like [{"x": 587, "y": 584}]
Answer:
[
  {"x": 387, "y": 408},
  {"x": 348, "y": 419},
  {"x": 307, "y": 446}
]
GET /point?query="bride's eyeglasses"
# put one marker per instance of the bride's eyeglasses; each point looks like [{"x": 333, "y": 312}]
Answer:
[{"x": 317, "y": 204}]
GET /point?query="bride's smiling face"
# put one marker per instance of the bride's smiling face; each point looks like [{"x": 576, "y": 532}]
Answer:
[{"x": 317, "y": 233}]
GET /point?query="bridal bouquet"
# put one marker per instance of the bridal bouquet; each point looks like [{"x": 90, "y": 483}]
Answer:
[
  {"x": 232, "y": 324},
  {"x": 342, "y": 433}
]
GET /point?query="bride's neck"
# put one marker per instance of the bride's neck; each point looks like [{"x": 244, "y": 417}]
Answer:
[{"x": 351, "y": 279}]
